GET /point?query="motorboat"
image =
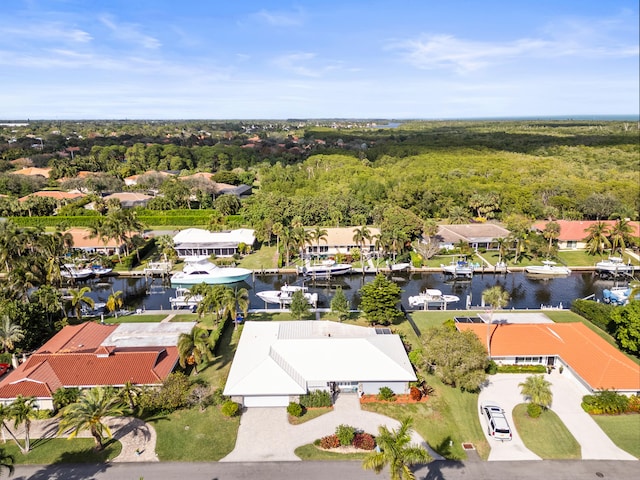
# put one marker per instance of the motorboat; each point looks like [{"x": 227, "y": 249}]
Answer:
[
  {"x": 399, "y": 267},
  {"x": 99, "y": 270},
  {"x": 201, "y": 270},
  {"x": 458, "y": 268},
  {"x": 284, "y": 296},
  {"x": 548, "y": 267},
  {"x": 328, "y": 268},
  {"x": 617, "y": 295},
  {"x": 185, "y": 299},
  {"x": 614, "y": 266},
  {"x": 432, "y": 298},
  {"x": 73, "y": 272}
]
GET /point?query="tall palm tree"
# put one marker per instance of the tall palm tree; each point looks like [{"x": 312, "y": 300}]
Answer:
[
  {"x": 193, "y": 347},
  {"x": 359, "y": 236},
  {"x": 10, "y": 334},
  {"x": 114, "y": 302},
  {"x": 502, "y": 244},
  {"x": 597, "y": 239},
  {"x": 538, "y": 390},
  {"x": 23, "y": 410},
  {"x": 79, "y": 298},
  {"x": 396, "y": 451},
  {"x": 620, "y": 235},
  {"x": 496, "y": 297},
  {"x": 235, "y": 299},
  {"x": 89, "y": 412},
  {"x": 551, "y": 232},
  {"x": 317, "y": 234},
  {"x": 458, "y": 215}
]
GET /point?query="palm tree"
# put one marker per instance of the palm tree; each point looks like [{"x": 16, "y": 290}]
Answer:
[
  {"x": 620, "y": 235},
  {"x": 359, "y": 236},
  {"x": 458, "y": 215},
  {"x": 10, "y": 334},
  {"x": 78, "y": 299},
  {"x": 538, "y": 390},
  {"x": 597, "y": 238},
  {"x": 551, "y": 232},
  {"x": 396, "y": 451},
  {"x": 234, "y": 299},
  {"x": 496, "y": 297},
  {"x": 114, "y": 302},
  {"x": 88, "y": 414},
  {"x": 23, "y": 410},
  {"x": 193, "y": 347},
  {"x": 129, "y": 393},
  {"x": 502, "y": 244},
  {"x": 317, "y": 234}
]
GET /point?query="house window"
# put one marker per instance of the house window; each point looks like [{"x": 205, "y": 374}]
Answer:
[
  {"x": 528, "y": 360},
  {"x": 572, "y": 243}
]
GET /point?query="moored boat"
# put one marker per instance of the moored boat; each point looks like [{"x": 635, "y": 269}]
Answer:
[
  {"x": 72, "y": 272},
  {"x": 184, "y": 299},
  {"x": 458, "y": 268},
  {"x": 432, "y": 298},
  {"x": 284, "y": 296},
  {"x": 328, "y": 268},
  {"x": 548, "y": 267},
  {"x": 201, "y": 270},
  {"x": 614, "y": 266}
]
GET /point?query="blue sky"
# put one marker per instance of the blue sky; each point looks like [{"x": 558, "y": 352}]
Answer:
[{"x": 82, "y": 59}]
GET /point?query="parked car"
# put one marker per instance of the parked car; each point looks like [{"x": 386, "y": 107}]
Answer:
[
  {"x": 4, "y": 368},
  {"x": 497, "y": 425}
]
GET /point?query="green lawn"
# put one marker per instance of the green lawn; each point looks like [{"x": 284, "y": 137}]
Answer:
[
  {"x": 142, "y": 318},
  {"x": 309, "y": 414},
  {"x": 47, "y": 451},
  {"x": 264, "y": 258},
  {"x": 310, "y": 452},
  {"x": 546, "y": 436},
  {"x": 623, "y": 430},
  {"x": 448, "y": 416}
]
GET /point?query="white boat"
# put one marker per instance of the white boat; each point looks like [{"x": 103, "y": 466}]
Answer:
[
  {"x": 99, "y": 270},
  {"x": 201, "y": 270},
  {"x": 328, "y": 268},
  {"x": 432, "y": 298},
  {"x": 617, "y": 295},
  {"x": 458, "y": 268},
  {"x": 399, "y": 267},
  {"x": 548, "y": 268},
  {"x": 72, "y": 272},
  {"x": 184, "y": 299},
  {"x": 285, "y": 295},
  {"x": 614, "y": 266}
]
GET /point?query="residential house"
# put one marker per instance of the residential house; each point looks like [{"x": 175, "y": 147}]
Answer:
[
  {"x": 340, "y": 241},
  {"x": 573, "y": 232},
  {"x": 33, "y": 171},
  {"x": 276, "y": 362},
  {"x": 60, "y": 197},
  {"x": 574, "y": 347},
  {"x": 82, "y": 240},
  {"x": 196, "y": 242},
  {"x": 92, "y": 354},
  {"x": 240, "y": 191},
  {"x": 476, "y": 235},
  {"x": 130, "y": 199}
]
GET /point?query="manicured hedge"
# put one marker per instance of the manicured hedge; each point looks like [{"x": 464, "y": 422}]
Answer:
[
  {"x": 54, "y": 221},
  {"x": 597, "y": 313},
  {"x": 522, "y": 369}
]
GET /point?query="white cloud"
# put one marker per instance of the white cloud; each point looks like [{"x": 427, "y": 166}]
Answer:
[
  {"x": 46, "y": 31},
  {"x": 292, "y": 18},
  {"x": 130, "y": 33}
]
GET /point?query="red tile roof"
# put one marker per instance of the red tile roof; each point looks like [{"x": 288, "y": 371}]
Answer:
[
  {"x": 54, "y": 194},
  {"x": 575, "y": 230},
  {"x": 82, "y": 239},
  {"x": 597, "y": 362}
]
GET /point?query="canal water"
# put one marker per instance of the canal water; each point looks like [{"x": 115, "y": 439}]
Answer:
[{"x": 526, "y": 292}]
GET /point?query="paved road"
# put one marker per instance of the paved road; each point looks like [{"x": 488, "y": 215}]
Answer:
[{"x": 525, "y": 470}]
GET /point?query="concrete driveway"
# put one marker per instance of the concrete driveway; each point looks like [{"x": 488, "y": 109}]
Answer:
[
  {"x": 567, "y": 396},
  {"x": 265, "y": 434}
]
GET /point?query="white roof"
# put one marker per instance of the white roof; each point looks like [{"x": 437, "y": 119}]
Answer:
[
  {"x": 147, "y": 334},
  {"x": 200, "y": 236},
  {"x": 280, "y": 358}
]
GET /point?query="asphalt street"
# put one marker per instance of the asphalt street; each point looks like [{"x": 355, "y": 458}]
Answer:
[{"x": 439, "y": 470}]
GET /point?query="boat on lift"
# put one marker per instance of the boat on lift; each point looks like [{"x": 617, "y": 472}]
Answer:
[
  {"x": 99, "y": 270},
  {"x": 614, "y": 266},
  {"x": 73, "y": 272},
  {"x": 432, "y": 297},
  {"x": 327, "y": 268},
  {"x": 548, "y": 268},
  {"x": 185, "y": 299},
  {"x": 458, "y": 268},
  {"x": 284, "y": 296},
  {"x": 199, "y": 270}
]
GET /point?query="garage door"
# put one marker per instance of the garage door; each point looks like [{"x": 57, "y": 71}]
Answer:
[{"x": 266, "y": 401}]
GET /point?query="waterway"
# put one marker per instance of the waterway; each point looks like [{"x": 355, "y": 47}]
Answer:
[{"x": 526, "y": 292}]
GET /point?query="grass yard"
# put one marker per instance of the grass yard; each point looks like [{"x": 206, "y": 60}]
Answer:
[
  {"x": 195, "y": 436},
  {"x": 546, "y": 436},
  {"x": 623, "y": 430},
  {"x": 448, "y": 416},
  {"x": 47, "y": 451},
  {"x": 264, "y": 258},
  {"x": 310, "y": 414},
  {"x": 142, "y": 318}
]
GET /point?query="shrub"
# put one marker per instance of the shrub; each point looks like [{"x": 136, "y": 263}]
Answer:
[
  {"x": 415, "y": 394},
  {"x": 492, "y": 368},
  {"x": 415, "y": 357},
  {"x": 295, "y": 409},
  {"x": 173, "y": 394},
  {"x": 522, "y": 369},
  {"x": 605, "y": 402},
  {"x": 386, "y": 394},
  {"x": 330, "y": 441},
  {"x": 217, "y": 398},
  {"x": 345, "y": 434},
  {"x": 230, "y": 408},
  {"x": 317, "y": 398},
  {"x": 534, "y": 410},
  {"x": 364, "y": 441},
  {"x": 597, "y": 313},
  {"x": 634, "y": 404}
]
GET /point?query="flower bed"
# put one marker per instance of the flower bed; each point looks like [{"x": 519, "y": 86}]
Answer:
[{"x": 402, "y": 398}]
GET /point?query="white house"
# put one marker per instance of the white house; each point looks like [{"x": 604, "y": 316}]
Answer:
[
  {"x": 196, "y": 242},
  {"x": 276, "y": 362},
  {"x": 340, "y": 240}
]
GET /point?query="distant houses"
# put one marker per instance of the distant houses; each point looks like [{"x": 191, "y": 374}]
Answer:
[
  {"x": 197, "y": 242},
  {"x": 341, "y": 241},
  {"x": 573, "y": 232},
  {"x": 476, "y": 235}
]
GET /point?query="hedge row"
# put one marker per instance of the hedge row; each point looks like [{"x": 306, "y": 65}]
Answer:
[
  {"x": 597, "y": 313},
  {"x": 54, "y": 221},
  {"x": 179, "y": 221},
  {"x": 522, "y": 369},
  {"x": 131, "y": 260}
]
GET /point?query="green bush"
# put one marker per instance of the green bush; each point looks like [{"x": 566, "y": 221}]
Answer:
[
  {"x": 317, "y": 398},
  {"x": 492, "y": 368},
  {"x": 521, "y": 369},
  {"x": 295, "y": 409},
  {"x": 386, "y": 395},
  {"x": 345, "y": 434},
  {"x": 605, "y": 402},
  {"x": 534, "y": 410},
  {"x": 597, "y": 313},
  {"x": 230, "y": 408},
  {"x": 172, "y": 395},
  {"x": 415, "y": 357}
]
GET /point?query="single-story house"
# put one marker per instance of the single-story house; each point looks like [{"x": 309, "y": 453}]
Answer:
[
  {"x": 196, "y": 242},
  {"x": 60, "y": 197},
  {"x": 133, "y": 179},
  {"x": 92, "y": 354},
  {"x": 82, "y": 241},
  {"x": 240, "y": 191},
  {"x": 476, "y": 235},
  {"x": 130, "y": 199},
  {"x": 340, "y": 240},
  {"x": 573, "y": 232},
  {"x": 33, "y": 171},
  {"x": 578, "y": 350},
  {"x": 276, "y": 362}
]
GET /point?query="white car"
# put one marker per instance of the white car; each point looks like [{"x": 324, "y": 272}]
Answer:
[{"x": 497, "y": 425}]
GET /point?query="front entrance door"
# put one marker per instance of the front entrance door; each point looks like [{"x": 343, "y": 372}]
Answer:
[{"x": 551, "y": 361}]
